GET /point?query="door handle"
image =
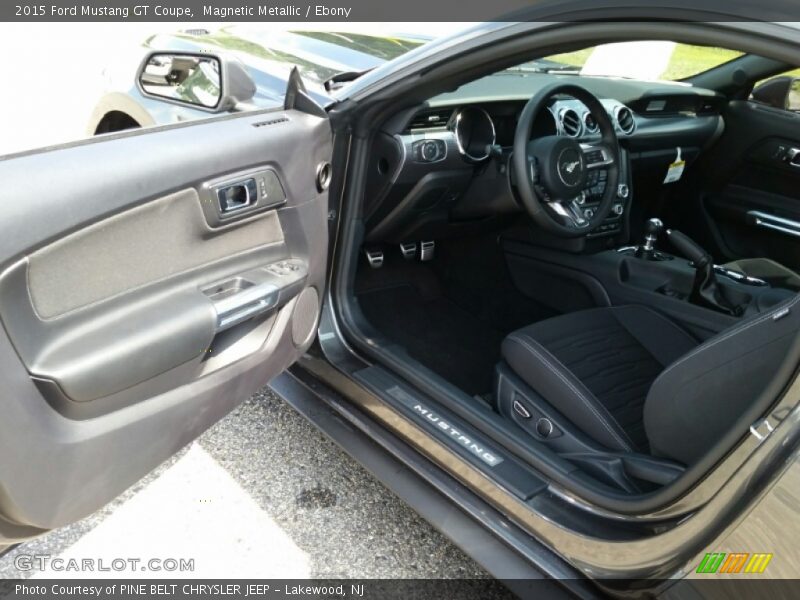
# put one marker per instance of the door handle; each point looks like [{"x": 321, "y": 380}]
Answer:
[
  {"x": 237, "y": 196},
  {"x": 793, "y": 157},
  {"x": 767, "y": 221}
]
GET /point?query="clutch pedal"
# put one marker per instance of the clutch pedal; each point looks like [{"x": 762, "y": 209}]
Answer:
[{"x": 374, "y": 258}]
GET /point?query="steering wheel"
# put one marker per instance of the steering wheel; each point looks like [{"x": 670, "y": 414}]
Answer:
[{"x": 551, "y": 171}]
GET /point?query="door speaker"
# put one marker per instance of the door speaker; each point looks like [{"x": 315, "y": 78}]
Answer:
[{"x": 304, "y": 316}]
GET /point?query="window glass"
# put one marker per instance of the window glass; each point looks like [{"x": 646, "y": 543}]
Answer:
[
  {"x": 77, "y": 80},
  {"x": 649, "y": 60}
]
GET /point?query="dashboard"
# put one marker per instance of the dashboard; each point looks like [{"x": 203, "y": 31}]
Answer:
[
  {"x": 477, "y": 127},
  {"x": 446, "y": 163}
]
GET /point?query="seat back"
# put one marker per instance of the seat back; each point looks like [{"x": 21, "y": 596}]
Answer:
[{"x": 724, "y": 385}]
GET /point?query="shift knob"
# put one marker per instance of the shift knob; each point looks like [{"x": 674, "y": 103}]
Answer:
[{"x": 651, "y": 232}]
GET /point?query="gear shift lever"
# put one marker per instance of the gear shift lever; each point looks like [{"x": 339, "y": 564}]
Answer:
[
  {"x": 651, "y": 232},
  {"x": 706, "y": 291}
]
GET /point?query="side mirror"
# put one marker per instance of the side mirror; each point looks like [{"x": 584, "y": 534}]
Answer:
[
  {"x": 779, "y": 92},
  {"x": 204, "y": 81}
]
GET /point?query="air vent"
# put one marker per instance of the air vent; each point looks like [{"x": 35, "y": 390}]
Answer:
[
  {"x": 571, "y": 123},
  {"x": 271, "y": 122},
  {"x": 431, "y": 119},
  {"x": 589, "y": 122},
  {"x": 625, "y": 120}
]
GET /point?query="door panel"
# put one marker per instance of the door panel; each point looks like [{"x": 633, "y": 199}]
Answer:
[
  {"x": 750, "y": 189},
  {"x": 122, "y": 248},
  {"x": 149, "y": 283}
]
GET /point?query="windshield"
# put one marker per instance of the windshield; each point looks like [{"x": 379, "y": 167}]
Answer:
[{"x": 651, "y": 60}]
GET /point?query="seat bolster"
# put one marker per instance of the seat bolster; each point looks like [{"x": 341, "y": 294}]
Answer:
[
  {"x": 730, "y": 378},
  {"x": 548, "y": 376},
  {"x": 661, "y": 337}
]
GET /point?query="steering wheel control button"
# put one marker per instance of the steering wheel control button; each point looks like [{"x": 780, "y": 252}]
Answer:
[
  {"x": 618, "y": 209},
  {"x": 594, "y": 157},
  {"x": 623, "y": 190}
]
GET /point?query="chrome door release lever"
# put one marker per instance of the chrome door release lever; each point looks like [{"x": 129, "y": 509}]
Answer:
[{"x": 237, "y": 196}]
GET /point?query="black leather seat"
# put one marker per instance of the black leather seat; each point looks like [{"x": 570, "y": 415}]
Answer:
[{"x": 633, "y": 380}]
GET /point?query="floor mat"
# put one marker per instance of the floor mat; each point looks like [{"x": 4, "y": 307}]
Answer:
[
  {"x": 438, "y": 333},
  {"x": 474, "y": 275},
  {"x": 451, "y": 314}
]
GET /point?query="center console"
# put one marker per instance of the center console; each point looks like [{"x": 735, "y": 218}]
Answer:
[{"x": 567, "y": 282}]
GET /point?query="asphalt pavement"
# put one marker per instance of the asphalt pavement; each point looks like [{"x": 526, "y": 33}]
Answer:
[{"x": 261, "y": 494}]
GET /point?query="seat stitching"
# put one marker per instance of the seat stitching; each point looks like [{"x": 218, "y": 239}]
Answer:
[
  {"x": 727, "y": 335},
  {"x": 570, "y": 385}
]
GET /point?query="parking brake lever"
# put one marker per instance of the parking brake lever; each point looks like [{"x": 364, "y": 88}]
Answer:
[{"x": 706, "y": 290}]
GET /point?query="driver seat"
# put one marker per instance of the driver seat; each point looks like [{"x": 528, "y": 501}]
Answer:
[{"x": 632, "y": 380}]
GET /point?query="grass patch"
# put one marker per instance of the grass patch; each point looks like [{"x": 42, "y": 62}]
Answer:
[
  {"x": 577, "y": 58},
  {"x": 685, "y": 61},
  {"x": 690, "y": 60}
]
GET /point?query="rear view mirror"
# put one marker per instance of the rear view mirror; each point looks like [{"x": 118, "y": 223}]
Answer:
[
  {"x": 202, "y": 81},
  {"x": 779, "y": 92}
]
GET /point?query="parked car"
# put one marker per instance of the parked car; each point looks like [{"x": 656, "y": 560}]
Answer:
[
  {"x": 267, "y": 54},
  {"x": 556, "y": 313}
]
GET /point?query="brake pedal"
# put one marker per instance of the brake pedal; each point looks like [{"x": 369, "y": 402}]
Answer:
[
  {"x": 409, "y": 250},
  {"x": 374, "y": 258},
  {"x": 426, "y": 251}
]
